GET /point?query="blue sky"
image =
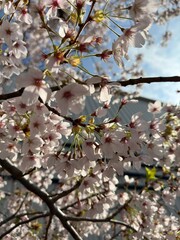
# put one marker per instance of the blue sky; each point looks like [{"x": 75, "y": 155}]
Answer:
[
  {"x": 162, "y": 61},
  {"x": 157, "y": 61}
]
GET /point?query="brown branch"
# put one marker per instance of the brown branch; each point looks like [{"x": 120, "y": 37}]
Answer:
[
  {"x": 23, "y": 222},
  {"x": 107, "y": 219},
  {"x": 12, "y": 94},
  {"x": 147, "y": 80},
  {"x": 13, "y": 215},
  {"x": 18, "y": 175},
  {"x": 95, "y": 220},
  {"x": 119, "y": 209},
  {"x": 82, "y": 200},
  {"x": 48, "y": 226},
  {"x": 126, "y": 83},
  {"x": 66, "y": 192}
]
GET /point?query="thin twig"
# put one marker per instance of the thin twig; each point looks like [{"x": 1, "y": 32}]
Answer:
[
  {"x": 23, "y": 222},
  {"x": 82, "y": 200},
  {"x": 65, "y": 193},
  {"x": 95, "y": 220},
  {"x": 48, "y": 226},
  {"x": 13, "y": 215}
]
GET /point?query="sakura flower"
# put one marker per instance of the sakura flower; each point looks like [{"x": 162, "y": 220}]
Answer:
[
  {"x": 63, "y": 28},
  {"x": 63, "y": 128},
  {"x": 132, "y": 37},
  {"x": 35, "y": 86},
  {"x": 9, "y": 8},
  {"x": 84, "y": 41},
  {"x": 21, "y": 107},
  {"x": 89, "y": 149},
  {"x": 37, "y": 124},
  {"x": 15, "y": 130},
  {"x": 9, "y": 108},
  {"x": 24, "y": 16},
  {"x": 123, "y": 198},
  {"x": 137, "y": 123},
  {"x": 154, "y": 107},
  {"x": 64, "y": 167},
  {"x": 110, "y": 145},
  {"x": 40, "y": 109},
  {"x": 30, "y": 161},
  {"x": 119, "y": 52},
  {"x": 8, "y": 149},
  {"x": 53, "y": 7},
  {"x": 105, "y": 95},
  {"x": 32, "y": 144},
  {"x": 72, "y": 98},
  {"x": 88, "y": 183},
  {"x": 141, "y": 8},
  {"x": 9, "y": 70},
  {"x": 18, "y": 49},
  {"x": 10, "y": 32},
  {"x": 52, "y": 138},
  {"x": 117, "y": 163}
]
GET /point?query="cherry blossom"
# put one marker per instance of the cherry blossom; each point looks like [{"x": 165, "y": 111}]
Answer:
[
  {"x": 10, "y": 32},
  {"x": 70, "y": 162},
  {"x": 132, "y": 37},
  {"x": 154, "y": 107},
  {"x": 71, "y": 97},
  {"x": 35, "y": 86},
  {"x": 141, "y": 8}
]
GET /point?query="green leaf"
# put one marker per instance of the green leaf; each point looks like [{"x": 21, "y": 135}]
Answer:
[{"x": 150, "y": 174}]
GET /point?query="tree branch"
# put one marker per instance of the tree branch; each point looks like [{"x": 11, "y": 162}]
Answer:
[
  {"x": 129, "y": 82},
  {"x": 13, "y": 215},
  {"x": 47, "y": 227},
  {"x": 147, "y": 80},
  {"x": 95, "y": 220},
  {"x": 66, "y": 192},
  {"x": 23, "y": 222},
  {"x": 82, "y": 200},
  {"x": 107, "y": 219},
  {"x": 17, "y": 174}
]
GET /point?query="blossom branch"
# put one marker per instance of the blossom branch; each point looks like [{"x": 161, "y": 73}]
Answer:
[
  {"x": 88, "y": 19},
  {"x": 17, "y": 174},
  {"x": 13, "y": 215},
  {"x": 107, "y": 219},
  {"x": 23, "y": 222},
  {"x": 48, "y": 226},
  {"x": 65, "y": 193},
  {"x": 82, "y": 200},
  {"x": 78, "y": 219},
  {"x": 129, "y": 82},
  {"x": 147, "y": 80}
]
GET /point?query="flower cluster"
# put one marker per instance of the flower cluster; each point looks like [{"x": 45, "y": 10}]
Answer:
[{"x": 71, "y": 155}]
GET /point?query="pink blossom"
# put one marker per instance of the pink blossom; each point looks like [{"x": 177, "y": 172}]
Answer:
[
  {"x": 37, "y": 124},
  {"x": 35, "y": 86},
  {"x": 132, "y": 37},
  {"x": 24, "y": 16},
  {"x": 89, "y": 149},
  {"x": 71, "y": 98},
  {"x": 154, "y": 107},
  {"x": 18, "y": 49},
  {"x": 10, "y": 32},
  {"x": 142, "y": 8},
  {"x": 30, "y": 161},
  {"x": 32, "y": 144}
]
